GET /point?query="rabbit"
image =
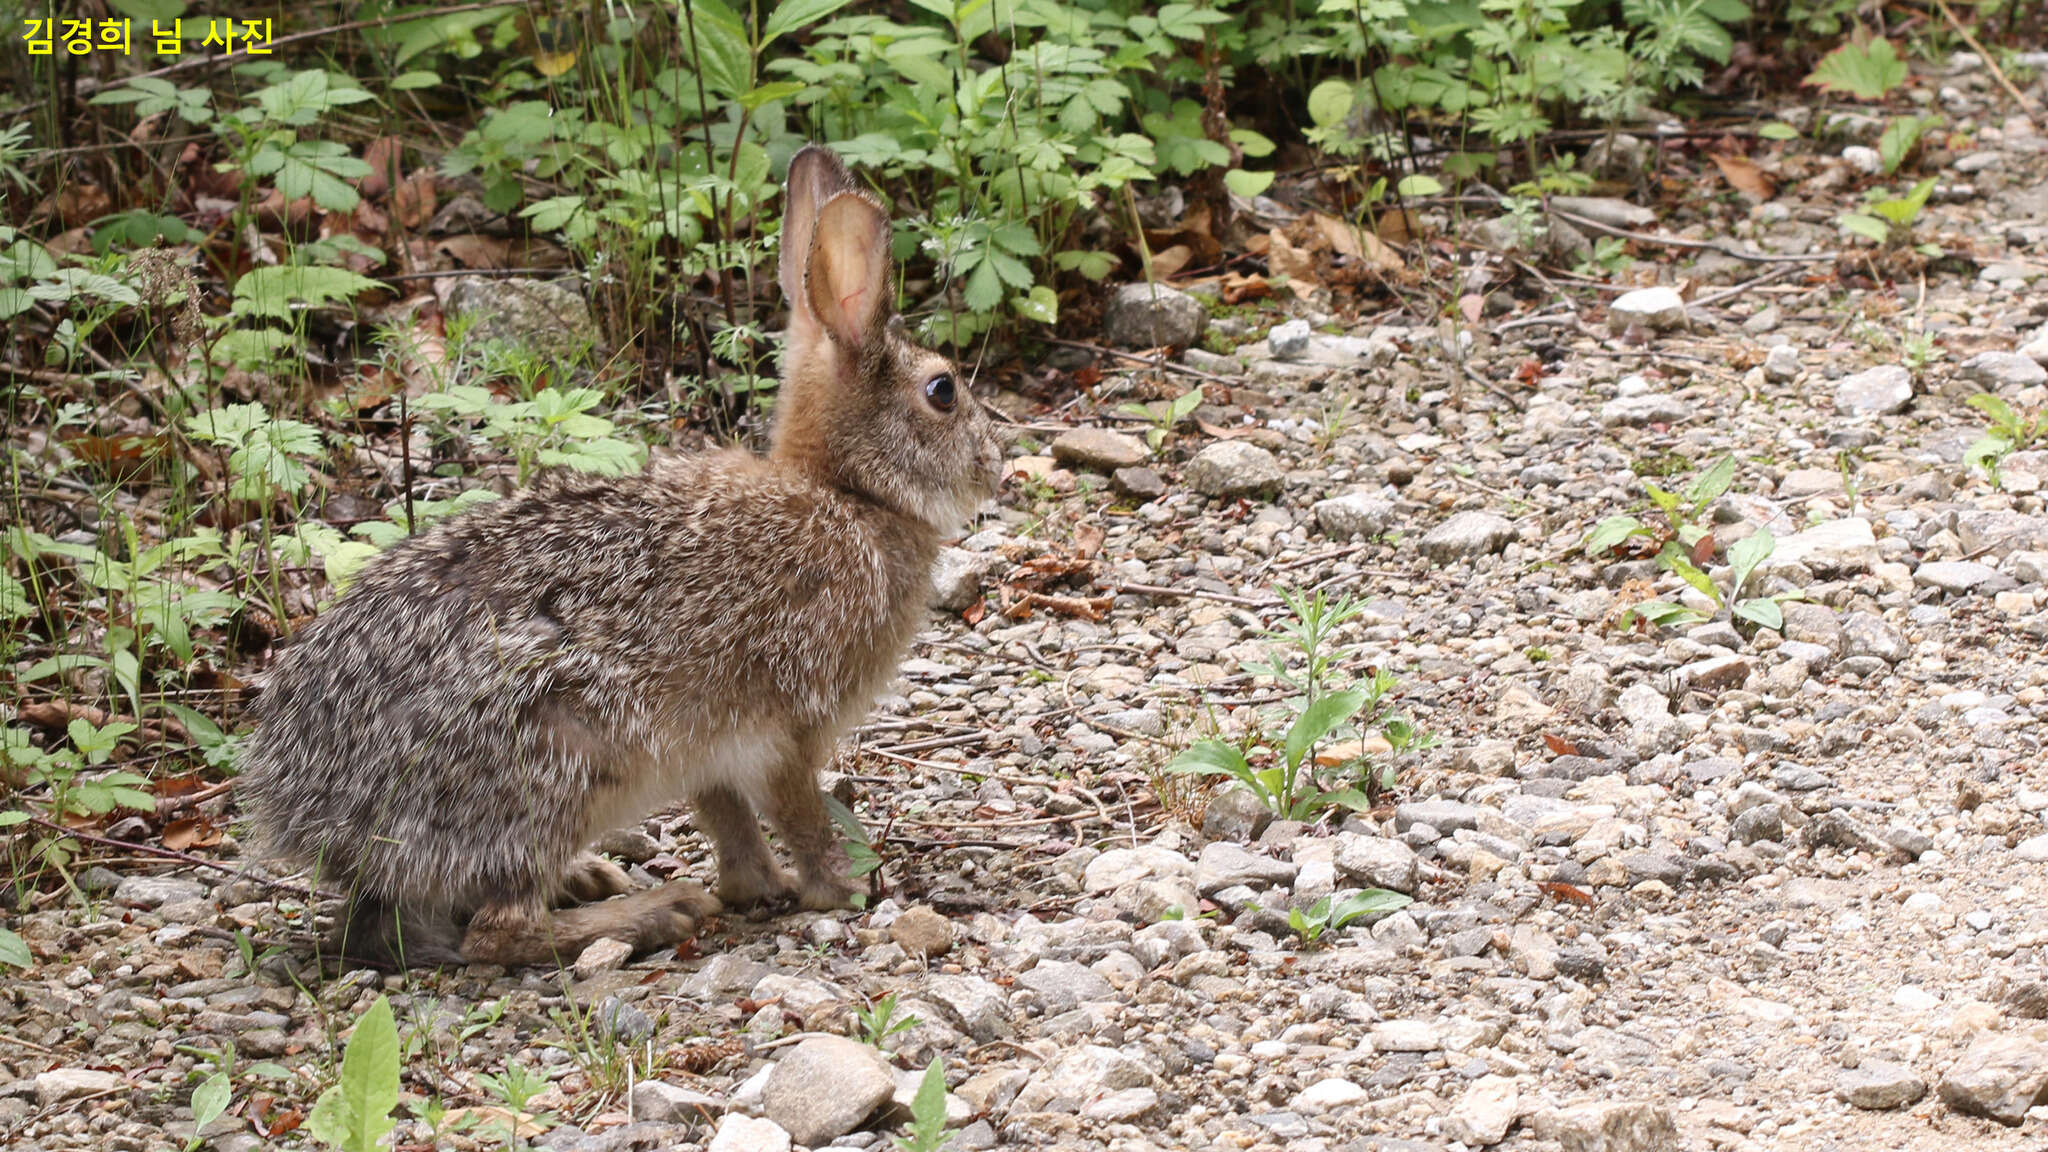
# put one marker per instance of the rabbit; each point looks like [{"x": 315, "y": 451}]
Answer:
[{"x": 493, "y": 694}]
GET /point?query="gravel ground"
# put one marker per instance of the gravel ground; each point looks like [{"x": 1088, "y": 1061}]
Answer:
[{"x": 1702, "y": 887}]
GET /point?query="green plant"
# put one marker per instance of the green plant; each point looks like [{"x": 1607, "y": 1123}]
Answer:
[
  {"x": 262, "y": 450},
  {"x": 556, "y": 428},
  {"x": 860, "y": 851},
  {"x": 1683, "y": 526},
  {"x": 209, "y": 1100},
  {"x": 927, "y": 1114},
  {"x": 68, "y": 791},
  {"x": 1867, "y": 69},
  {"x": 354, "y": 1114},
  {"x": 1743, "y": 558},
  {"x": 1164, "y": 417},
  {"x": 1889, "y": 221},
  {"x": 2006, "y": 433},
  {"x": 1323, "y": 916},
  {"x": 515, "y": 1089},
  {"x": 1290, "y": 781},
  {"x": 878, "y": 1021}
]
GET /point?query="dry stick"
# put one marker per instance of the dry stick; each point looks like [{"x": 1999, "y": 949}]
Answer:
[
  {"x": 173, "y": 854},
  {"x": 1194, "y": 594},
  {"x": 1990, "y": 61},
  {"x": 1708, "y": 245},
  {"x": 1149, "y": 361},
  {"x": 1746, "y": 286}
]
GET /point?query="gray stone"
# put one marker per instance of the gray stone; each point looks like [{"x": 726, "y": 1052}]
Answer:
[
  {"x": 1121, "y": 1107},
  {"x": 1100, "y": 449},
  {"x": 1483, "y": 1115},
  {"x": 1656, "y": 308},
  {"x": 1999, "y": 531},
  {"x": 826, "y": 1087},
  {"x": 1353, "y": 515},
  {"x": 1153, "y": 316},
  {"x": 1644, "y": 866},
  {"x": 603, "y": 955},
  {"x": 622, "y": 1021},
  {"x": 1468, "y": 534},
  {"x": 156, "y": 891},
  {"x": 1234, "y": 470},
  {"x": 61, "y": 1084},
  {"x": 1865, "y": 634},
  {"x": 1879, "y": 391},
  {"x": 1378, "y": 862},
  {"x": 957, "y": 577},
  {"x": 1224, "y": 863},
  {"x": 1235, "y": 814},
  {"x": 1757, "y": 824},
  {"x": 1081, "y": 1076},
  {"x": 1062, "y": 984},
  {"x": 629, "y": 844},
  {"x": 1956, "y": 577},
  {"x": 551, "y": 319},
  {"x": 976, "y": 1006},
  {"x": 1879, "y": 1086},
  {"x": 1637, "y": 411},
  {"x": 1843, "y": 547},
  {"x": 1289, "y": 341},
  {"x": 2002, "y": 371},
  {"x": 737, "y": 1133},
  {"x": 922, "y": 932},
  {"x": 1837, "y": 829},
  {"x": 1138, "y": 483},
  {"x": 1443, "y": 815},
  {"x": 1120, "y": 866},
  {"x": 1781, "y": 363},
  {"x": 1998, "y": 1077},
  {"x": 666, "y": 1103},
  {"x": 1611, "y": 1126}
]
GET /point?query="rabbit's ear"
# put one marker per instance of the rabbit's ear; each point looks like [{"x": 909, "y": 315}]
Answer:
[
  {"x": 847, "y": 285},
  {"x": 815, "y": 176}
]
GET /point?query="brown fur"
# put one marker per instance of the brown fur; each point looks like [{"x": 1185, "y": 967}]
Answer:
[{"x": 494, "y": 694}]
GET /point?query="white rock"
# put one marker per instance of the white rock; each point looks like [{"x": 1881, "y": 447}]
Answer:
[
  {"x": 1656, "y": 308},
  {"x": 60, "y": 1084},
  {"x": 1483, "y": 1115},
  {"x": 1327, "y": 1096},
  {"x": 737, "y": 1133},
  {"x": 1878, "y": 391}
]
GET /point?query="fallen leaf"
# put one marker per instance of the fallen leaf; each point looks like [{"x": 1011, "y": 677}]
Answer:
[
  {"x": 1166, "y": 263},
  {"x": 120, "y": 458},
  {"x": 473, "y": 250},
  {"x": 1236, "y": 288},
  {"x": 1559, "y": 746},
  {"x": 415, "y": 200},
  {"x": 1088, "y": 540},
  {"x": 1472, "y": 306},
  {"x": 1744, "y": 176},
  {"x": 194, "y": 832},
  {"x": 385, "y": 156},
  {"x": 1565, "y": 893}
]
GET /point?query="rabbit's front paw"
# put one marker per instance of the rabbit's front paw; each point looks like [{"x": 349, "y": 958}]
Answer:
[
  {"x": 746, "y": 889},
  {"x": 828, "y": 893}
]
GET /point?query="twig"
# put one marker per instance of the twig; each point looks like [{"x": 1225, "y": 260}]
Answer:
[
  {"x": 1194, "y": 594},
  {"x": 1705, "y": 245},
  {"x": 1990, "y": 61},
  {"x": 1747, "y": 286},
  {"x": 1158, "y": 362},
  {"x": 173, "y": 854}
]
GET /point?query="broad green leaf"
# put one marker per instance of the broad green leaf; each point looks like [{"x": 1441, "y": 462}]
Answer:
[
  {"x": 1778, "y": 130},
  {"x": 1041, "y": 304},
  {"x": 1211, "y": 758},
  {"x": 211, "y": 1099},
  {"x": 1995, "y": 407},
  {"x": 1691, "y": 574},
  {"x": 1867, "y": 71},
  {"x": 1763, "y": 611},
  {"x": 1419, "y": 185},
  {"x": 791, "y": 15},
  {"x": 1868, "y": 227},
  {"x": 1745, "y": 554},
  {"x": 1326, "y": 713},
  {"x": 1248, "y": 184},
  {"x": 1612, "y": 531},
  {"x": 774, "y": 90},
  {"x": 552, "y": 213},
  {"x": 1712, "y": 483},
  {"x": 355, "y": 1114},
  {"x": 720, "y": 52},
  {"x": 418, "y": 78},
  {"x": 1366, "y": 903},
  {"x": 14, "y": 950},
  {"x": 1250, "y": 143},
  {"x": 1330, "y": 102}
]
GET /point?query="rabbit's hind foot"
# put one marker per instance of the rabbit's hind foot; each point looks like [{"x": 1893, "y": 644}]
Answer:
[
  {"x": 513, "y": 934},
  {"x": 590, "y": 878}
]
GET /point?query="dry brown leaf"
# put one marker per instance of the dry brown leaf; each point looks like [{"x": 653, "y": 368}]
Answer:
[
  {"x": 1237, "y": 288},
  {"x": 472, "y": 250},
  {"x": 195, "y": 832},
  {"x": 1219, "y": 432},
  {"x": 385, "y": 156},
  {"x": 1088, "y": 540},
  {"x": 1297, "y": 264},
  {"x": 415, "y": 200},
  {"x": 1472, "y": 306},
  {"x": 1342, "y": 235},
  {"x": 1744, "y": 176},
  {"x": 1170, "y": 261}
]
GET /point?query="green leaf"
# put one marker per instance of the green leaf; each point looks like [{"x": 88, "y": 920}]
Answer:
[
  {"x": 1661, "y": 613},
  {"x": 766, "y": 93},
  {"x": 1248, "y": 184},
  {"x": 14, "y": 950},
  {"x": 1691, "y": 574},
  {"x": 273, "y": 290},
  {"x": 419, "y": 78},
  {"x": 1330, "y": 102},
  {"x": 791, "y": 15},
  {"x": 1867, "y": 71},
  {"x": 720, "y": 53},
  {"x": 1250, "y": 143},
  {"x": 1041, "y": 304},
  {"x": 1778, "y": 130},
  {"x": 1419, "y": 185},
  {"x": 1763, "y": 611},
  {"x": 1868, "y": 227},
  {"x": 1327, "y": 712},
  {"x": 552, "y": 213},
  {"x": 927, "y": 1112},
  {"x": 1366, "y": 903},
  {"x": 1612, "y": 531},
  {"x": 1712, "y": 483},
  {"x": 1212, "y": 758},
  {"x": 211, "y": 1099},
  {"x": 1745, "y": 554},
  {"x": 355, "y": 1114}
]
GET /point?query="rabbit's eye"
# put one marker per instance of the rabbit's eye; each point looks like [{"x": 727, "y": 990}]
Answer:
[{"x": 939, "y": 392}]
